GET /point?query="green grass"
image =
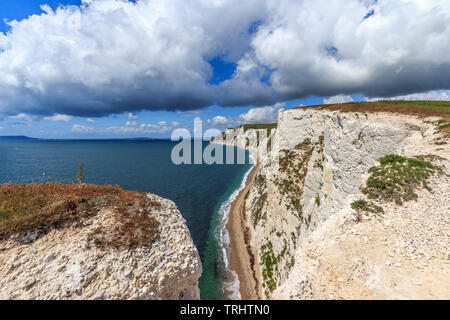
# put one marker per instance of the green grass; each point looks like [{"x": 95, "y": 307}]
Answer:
[
  {"x": 321, "y": 158},
  {"x": 421, "y": 108},
  {"x": 258, "y": 203},
  {"x": 257, "y": 211},
  {"x": 294, "y": 165},
  {"x": 268, "y": 126},
  {"x": 270, "y": 265},
  {"x": 435, "y": 106},
  {"x": 363, "y": 205},
  {"x": 444, "y": 126},
  {"x": 397, "y": 178}
]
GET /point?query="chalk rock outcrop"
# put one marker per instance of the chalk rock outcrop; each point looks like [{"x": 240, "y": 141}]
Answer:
[{"x": 63, "y": 264}]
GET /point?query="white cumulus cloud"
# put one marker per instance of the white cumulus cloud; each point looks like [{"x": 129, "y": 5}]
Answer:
[
  {"x": 329, "y": 47},
  {"x": 24, "y": 117},
  {"x": 121, "y": 56},
  {"x": 338, "y": 99},
  {"x": 141, "y": 129},
  {"x": 219, "y": 121},
  {"x": 131, "y": 123},
  {"x": 431, "y": 95},
  {"x": 78, "y": 128},
  {"x": 132, "y": 116},
  {"x": 261, "y": 115},
  {"x": 59, "y": 118}
]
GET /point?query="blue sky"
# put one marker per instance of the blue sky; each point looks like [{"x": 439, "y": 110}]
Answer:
[
  {"x": 21, "y": 9},
  {"x": 225, "y": 78}
]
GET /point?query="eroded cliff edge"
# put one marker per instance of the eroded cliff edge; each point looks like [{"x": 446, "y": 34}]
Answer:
[
  {"x": 107, "y": 244},
  {"x": 310, "y": 243}
]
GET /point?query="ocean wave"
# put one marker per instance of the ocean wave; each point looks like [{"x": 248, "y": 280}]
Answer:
[{"x": 231, "y": 282}]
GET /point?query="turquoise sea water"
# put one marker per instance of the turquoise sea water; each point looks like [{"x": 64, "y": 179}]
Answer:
[{"x": 200, "y": 191}]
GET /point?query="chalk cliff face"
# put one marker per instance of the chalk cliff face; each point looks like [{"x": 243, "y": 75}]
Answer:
[
  {"x": 63, "y": 264},
  {"x": 300, "y": 212}
]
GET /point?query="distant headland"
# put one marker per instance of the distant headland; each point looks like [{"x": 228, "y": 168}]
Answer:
[{"x": 17, "y": 138}]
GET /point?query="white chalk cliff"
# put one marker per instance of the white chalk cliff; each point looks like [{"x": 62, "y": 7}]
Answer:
[
  {"x": 309, "y": 244},
  {"x": 62, "y": 264}
]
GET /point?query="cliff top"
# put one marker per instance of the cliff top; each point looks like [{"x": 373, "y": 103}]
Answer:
[
  {"x": 28, "y": 208},
  {"x": 256, "y": 126},
  {"x": 419, "y": 108},
  {"x": 93, "y": 242}
]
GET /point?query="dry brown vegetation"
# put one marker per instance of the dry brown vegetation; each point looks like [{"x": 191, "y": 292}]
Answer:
[
  {"x": 430, "y": 157},
  {"x": 418, "y": 108},
  {"x": 41, "y": 207}
]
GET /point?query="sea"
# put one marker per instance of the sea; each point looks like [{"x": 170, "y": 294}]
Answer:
[{"x": 203, "y": 193}]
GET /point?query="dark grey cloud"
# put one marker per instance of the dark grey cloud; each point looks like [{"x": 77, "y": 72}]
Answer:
[{"x": 113, "y": 56}]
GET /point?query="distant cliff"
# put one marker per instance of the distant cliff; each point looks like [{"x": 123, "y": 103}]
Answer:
[
  {"x": 89, "y": 242},
  {"x": 327, "y": 226}
]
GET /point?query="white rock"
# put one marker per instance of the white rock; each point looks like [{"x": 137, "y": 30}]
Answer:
[{"x": 68, "y": 270}]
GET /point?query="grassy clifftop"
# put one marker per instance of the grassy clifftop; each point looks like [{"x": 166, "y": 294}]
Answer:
[
  {"x": 420, "y": 108},
  {"x": 39, "y": 208},
  {"x": 256, "y": 126}
]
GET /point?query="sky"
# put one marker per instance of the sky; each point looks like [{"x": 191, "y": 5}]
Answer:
[{"x": 121, "y": 69}]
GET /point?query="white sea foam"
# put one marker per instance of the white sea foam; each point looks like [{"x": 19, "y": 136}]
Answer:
[
  {"x": 232, "y": 287},
  {"x": 231, "y": 284}
]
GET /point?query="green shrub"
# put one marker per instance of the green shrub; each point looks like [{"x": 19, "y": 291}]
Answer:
[
  {"x": 258, "y": 209},
  {"x": 397, "y": 178},
  {"x": 270, "y": 265},
  {"x": 392, "y": 158},
  {"x": 363, "y": 205},
  {"x": 443, "y": 124},
  {"x": 294, "y": 165},
  {"x": 80, "y": 176}
]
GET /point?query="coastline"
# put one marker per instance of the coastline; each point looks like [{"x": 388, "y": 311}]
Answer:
[{"x": 242, "y": 255}]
